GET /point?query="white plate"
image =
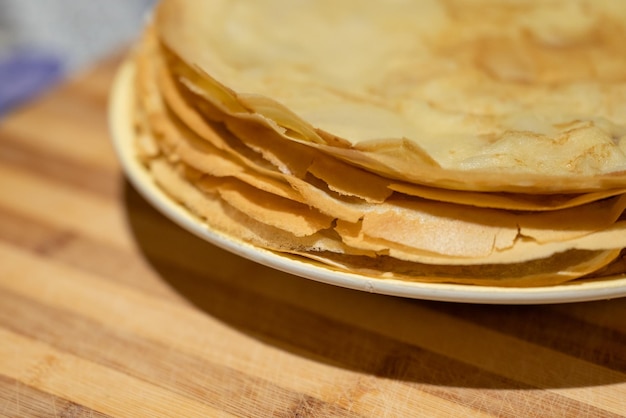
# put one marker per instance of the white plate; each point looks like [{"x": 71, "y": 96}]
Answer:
[{"x": 121, "y": 125}]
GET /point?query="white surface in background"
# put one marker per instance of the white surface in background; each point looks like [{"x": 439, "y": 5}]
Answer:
[{"x": 77, "y": 31}]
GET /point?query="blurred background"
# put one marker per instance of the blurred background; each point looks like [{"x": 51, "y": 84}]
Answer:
[{"x": 43, "y": 41}]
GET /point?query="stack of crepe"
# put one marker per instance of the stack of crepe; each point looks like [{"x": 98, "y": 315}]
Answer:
[{"x": 479, "y": 142}]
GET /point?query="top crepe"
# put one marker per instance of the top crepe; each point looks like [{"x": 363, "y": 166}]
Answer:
[{"x": 439, "y": 92}]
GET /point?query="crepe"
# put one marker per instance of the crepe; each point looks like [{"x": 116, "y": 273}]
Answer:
[
  {"x": 409, "y": 140},
  {"x": 532, "y": 91}
]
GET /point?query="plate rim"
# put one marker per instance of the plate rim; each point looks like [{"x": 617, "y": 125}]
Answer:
[{"x": 121, "y": 133}]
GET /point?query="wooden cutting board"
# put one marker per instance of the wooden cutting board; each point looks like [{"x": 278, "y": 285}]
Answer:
[{"x": 109, "y": 309}]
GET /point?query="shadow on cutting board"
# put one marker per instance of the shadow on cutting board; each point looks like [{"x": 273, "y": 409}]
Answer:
[{"x": 433, "y": 343}]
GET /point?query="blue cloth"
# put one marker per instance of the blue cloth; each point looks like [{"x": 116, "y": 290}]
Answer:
[{"x": 25, "y": 74}]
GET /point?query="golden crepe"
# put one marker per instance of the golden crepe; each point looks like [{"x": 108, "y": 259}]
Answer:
[
  {"x": 418, "y": 140},
  {"x": 444, "y": 81}
]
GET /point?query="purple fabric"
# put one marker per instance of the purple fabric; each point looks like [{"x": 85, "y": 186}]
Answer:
[{"x": 24, "y": 74}]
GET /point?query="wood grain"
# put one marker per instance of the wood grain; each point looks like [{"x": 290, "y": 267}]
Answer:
[{"x": 109, "y": 309}]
